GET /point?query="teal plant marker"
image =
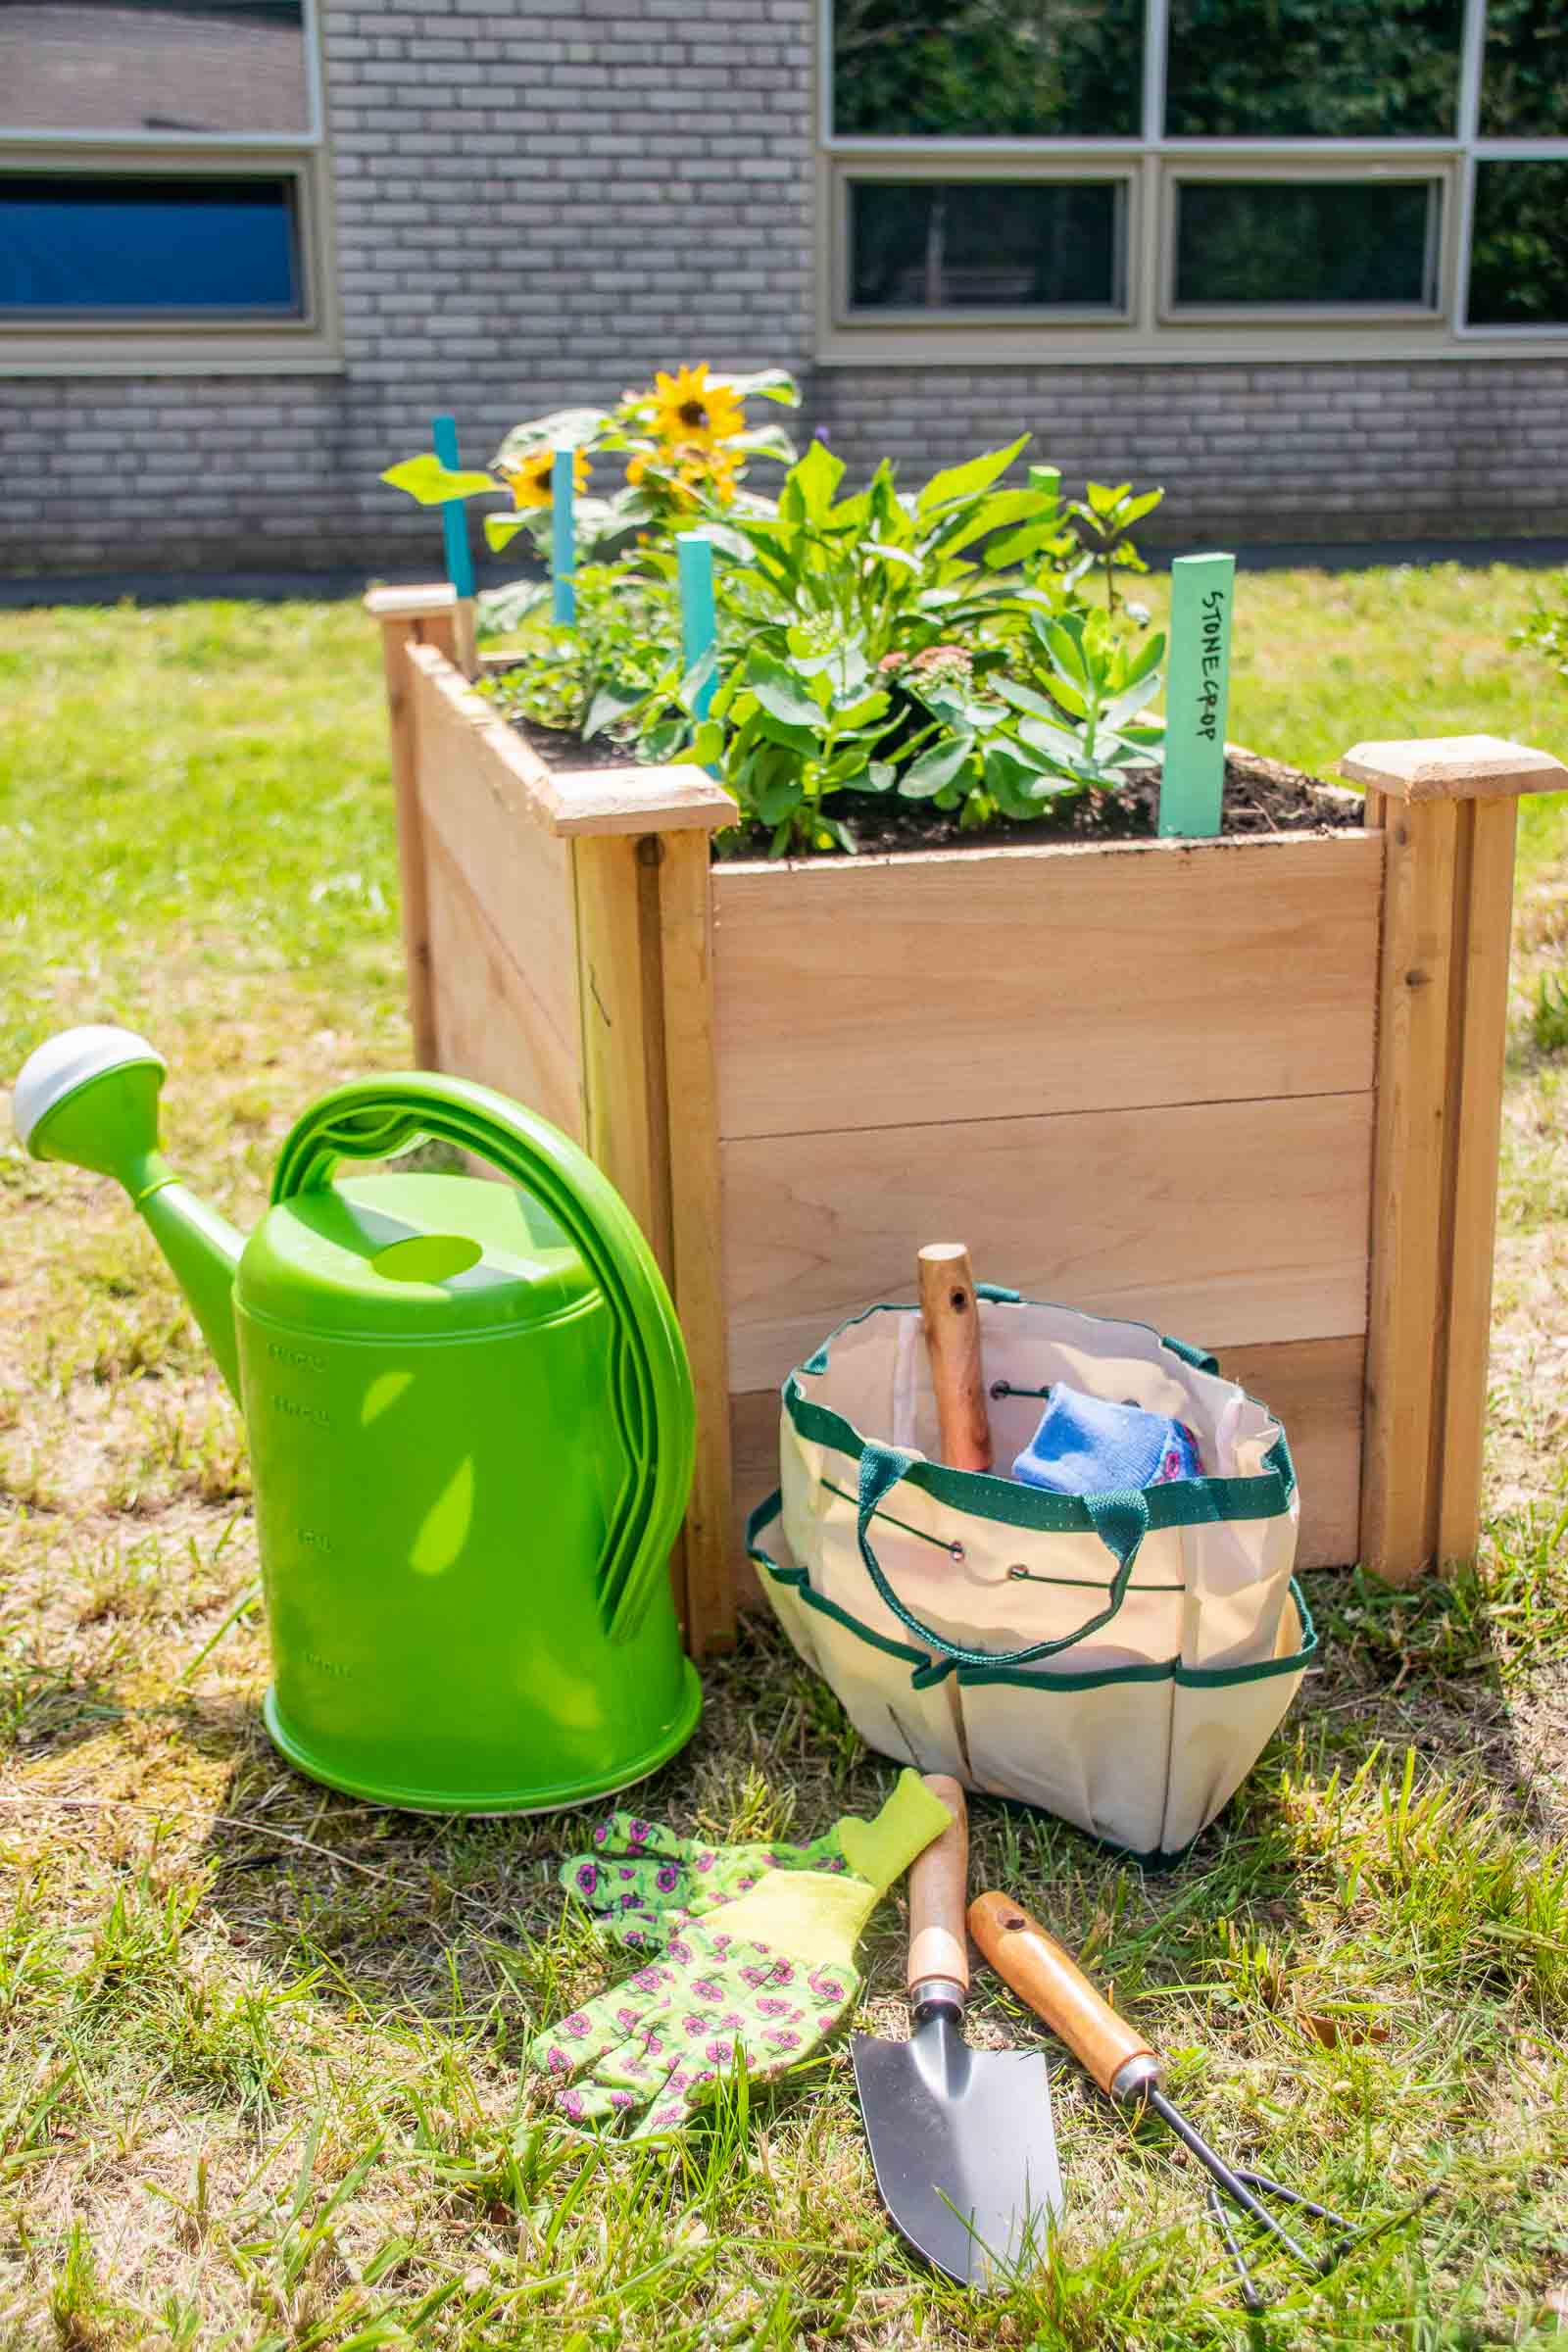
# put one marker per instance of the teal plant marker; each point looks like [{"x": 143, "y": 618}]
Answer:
[
  {"x": 1048, "y": 479},
  {"x": 1191, "y": 788},
  {"x": 562, "y": 535},
  {"x": 453, "y": 521},
  {"x": 693, "y": 558}
]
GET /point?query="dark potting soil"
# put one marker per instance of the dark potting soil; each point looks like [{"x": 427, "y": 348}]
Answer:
[{"x": 1261, "y": 795}]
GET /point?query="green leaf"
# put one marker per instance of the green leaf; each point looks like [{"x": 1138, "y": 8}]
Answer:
[
  {"x": 1137, "y": 508},
  {"x": 1024, "y": 698},
  {"x": 763, "y": 441},
  {"x": 1009, "y": 779},
  {"x": 872, "y": 706},
  {"x": 663, "y": 742},
  {"x": 803, "y": 740},
  {"x": 426, "y": 479},
  {"x": 1018, "y": 546},
  {"x": 562, "y": 428},
  {"x": 966, "y": 482},
  {"x": 936, "y": 768},
  {"x": 768, "y": 383},
  {"x": 961, "y": 530},
  {"x": 810, "y": 484},
  {"x": 780, "y": 692},
  {"x": 708, "y": 744},
  {"x": 1146, "y": 659},
  {"x": 880, "y": 776},
  {"x": 1055, "y": 743},
  {"x": 1104, "y": 501},
  {"x": 501, "y": 529},
  {"x": 611, "y": 702},
  {"x": 1128, "y": 705}
]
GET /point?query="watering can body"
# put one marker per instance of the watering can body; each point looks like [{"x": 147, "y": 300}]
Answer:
[{"x": 471, "y": 1434}]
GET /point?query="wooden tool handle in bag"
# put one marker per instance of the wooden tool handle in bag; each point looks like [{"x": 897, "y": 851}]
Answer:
[
  {"x": 939, "y": 1884},
  {"x": 951, "y": 1316},
  {"x": 1056, "y": 1988}
]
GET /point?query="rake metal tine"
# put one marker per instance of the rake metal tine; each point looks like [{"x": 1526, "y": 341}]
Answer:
[{"x": 1251, "y": 2297}]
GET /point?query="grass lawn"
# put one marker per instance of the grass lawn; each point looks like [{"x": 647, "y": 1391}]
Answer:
[{"x": 260, "y": 2079}]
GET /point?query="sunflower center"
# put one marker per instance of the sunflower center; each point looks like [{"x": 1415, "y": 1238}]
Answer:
[{"x": 694, "y": 416}]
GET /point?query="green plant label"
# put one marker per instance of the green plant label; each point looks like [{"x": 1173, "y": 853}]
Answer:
[{"x": 1202, "y": 591}]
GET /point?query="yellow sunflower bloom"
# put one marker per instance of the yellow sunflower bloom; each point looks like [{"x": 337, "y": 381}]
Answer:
[
  {"x": 530, "y": 480},
  {"x": 693, "y": 413}
]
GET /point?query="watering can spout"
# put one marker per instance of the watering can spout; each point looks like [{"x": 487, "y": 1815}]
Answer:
[{"x": 89, "y": 1096}]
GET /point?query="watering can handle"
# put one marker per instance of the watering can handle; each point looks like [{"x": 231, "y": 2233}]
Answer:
[{"x": 373, "y": 1119}]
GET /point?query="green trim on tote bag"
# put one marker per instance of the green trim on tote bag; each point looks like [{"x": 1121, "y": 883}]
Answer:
[
  {"x": 1179, "y": 1503},
  {"x": 991, "y": 1668}
]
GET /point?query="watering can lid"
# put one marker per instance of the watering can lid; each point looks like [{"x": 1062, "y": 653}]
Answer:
[{"x": 416, "y": 1257}]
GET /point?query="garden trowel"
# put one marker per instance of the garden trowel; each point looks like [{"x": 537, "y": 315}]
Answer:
[{"x": 961, "y": 2140}]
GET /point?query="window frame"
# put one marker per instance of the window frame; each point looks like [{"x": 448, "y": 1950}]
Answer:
[
  {"x": 195, "y": 343},
  {"x": 1151, "y": 326}
]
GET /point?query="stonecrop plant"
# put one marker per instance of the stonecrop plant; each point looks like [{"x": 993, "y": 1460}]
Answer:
[{"x": 961, "y": 645}]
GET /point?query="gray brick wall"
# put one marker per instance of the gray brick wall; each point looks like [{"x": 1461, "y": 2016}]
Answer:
[{"x": 540, "y": 201}]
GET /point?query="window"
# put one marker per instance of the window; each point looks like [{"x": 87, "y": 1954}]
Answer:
[
  {"x": 163, "y": 193},
  {"x": 986, "y": 244},
  {"x": 1075, "y": 180},
  {"x": 1328, "y": 244}
]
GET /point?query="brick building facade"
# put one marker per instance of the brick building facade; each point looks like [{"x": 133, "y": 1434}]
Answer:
[{"x": 536, "y": 202}]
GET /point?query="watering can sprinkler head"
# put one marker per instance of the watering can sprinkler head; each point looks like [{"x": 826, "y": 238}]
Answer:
[{"x": 91, "y": 1096}]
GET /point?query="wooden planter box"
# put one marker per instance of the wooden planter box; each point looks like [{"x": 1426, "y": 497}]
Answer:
[{"x": 1246, "y": 1091}]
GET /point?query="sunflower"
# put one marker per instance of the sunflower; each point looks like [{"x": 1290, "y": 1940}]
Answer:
[
  {"x": 530, "y": 480},
  {"x": 693, "y": 413}
]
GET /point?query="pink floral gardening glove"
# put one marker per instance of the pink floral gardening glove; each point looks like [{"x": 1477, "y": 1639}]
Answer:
[{"x": 760, "y": 1980}]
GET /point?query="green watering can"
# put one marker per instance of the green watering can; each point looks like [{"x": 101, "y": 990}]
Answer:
[{"x": 472, "y": 1433}]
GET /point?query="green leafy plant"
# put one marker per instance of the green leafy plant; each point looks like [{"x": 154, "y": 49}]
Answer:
[
  {"x": 1549, "y": 1015},
  {"x": 934, "y": 646},
  {"x": 1104, "y": 517},
  {"x": 1545, "y": 632}
]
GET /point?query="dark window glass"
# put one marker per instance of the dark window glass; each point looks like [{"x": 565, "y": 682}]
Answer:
[
  {"x": 235, "y": 66},
  {"x": 1313, "y": 69},
  {"x": 993, "y": 245},
  {"x": 1519, "y": 246},
  {"x": 987, "y": 68},
  {"x": 1317, "y": 241},
  {"x": 111, "y": 246},
  {"x": 1524, "y": 82}
]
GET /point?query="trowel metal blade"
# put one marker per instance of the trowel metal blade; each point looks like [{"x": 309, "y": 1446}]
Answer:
[{"x": 963, "y": 2147}]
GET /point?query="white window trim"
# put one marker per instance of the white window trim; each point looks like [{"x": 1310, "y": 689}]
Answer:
[
  {"x": 1151, "y": 327},
  {"x": 196, "y": 344}
]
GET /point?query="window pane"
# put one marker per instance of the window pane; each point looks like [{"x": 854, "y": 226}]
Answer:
[
  {"x": 1313, "y": 69},
  {"x": 1519, "y": 246},
  {"x": 993, "y": 245},
  {"x": 174, "y": 65},
  {"x": 987, "y": 68},
  {"x": 1314, "y": 241},
  {"x": 107, "y": 246},
  {"x": 1524, "y": 82}
]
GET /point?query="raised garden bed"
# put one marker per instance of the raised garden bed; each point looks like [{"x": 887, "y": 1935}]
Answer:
[{"x": 1246, "y": 1090}]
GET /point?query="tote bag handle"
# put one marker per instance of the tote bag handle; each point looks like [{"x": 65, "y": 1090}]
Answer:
[{"x": 1121, "y": 1521}]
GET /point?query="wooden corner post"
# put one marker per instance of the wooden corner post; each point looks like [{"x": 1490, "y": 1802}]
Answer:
[
  {"x": 644, "y": 927},
  {"x": 1447, "y": 809},
  {"x": 428, "y": 616}
]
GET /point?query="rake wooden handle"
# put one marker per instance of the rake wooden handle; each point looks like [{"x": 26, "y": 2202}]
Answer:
[
  {"x": 939, "y": 1881},
  {"x": 951, "y": 1320},
  {"x": 1056, "y": 1988}
]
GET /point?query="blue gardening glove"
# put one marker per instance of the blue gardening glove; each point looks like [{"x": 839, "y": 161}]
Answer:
[
  {"x": 762, "y": 1979},
  {"x": 1088, "y": 1445},
  {"x": 642, "y": 1884}
]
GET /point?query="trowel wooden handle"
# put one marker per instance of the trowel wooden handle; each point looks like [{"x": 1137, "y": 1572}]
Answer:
[
  {"x": 939, "y": 1884},
  {"x": 952, "y": 1321},
  {"x": 1056, "y": 1988}
]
